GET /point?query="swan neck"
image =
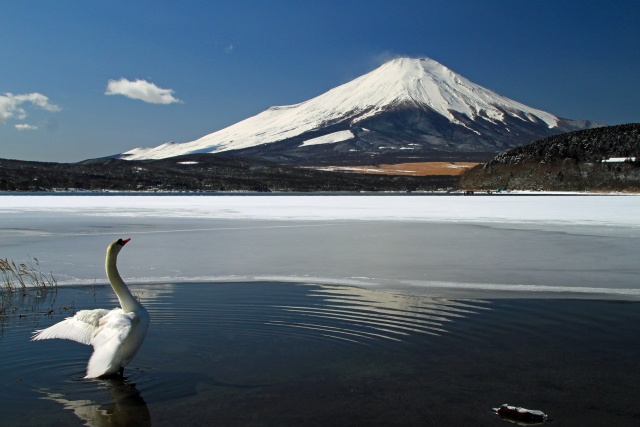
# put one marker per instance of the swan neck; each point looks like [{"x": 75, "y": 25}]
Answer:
[{"x": 127, "y": 301}]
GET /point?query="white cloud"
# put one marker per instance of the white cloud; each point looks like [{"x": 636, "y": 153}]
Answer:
[
  {"x": 388, "y": 55},
  {"x": 12, "y": 106},
  {"x": 25, "y": 126},
  {"x": 142, "y": 90}
]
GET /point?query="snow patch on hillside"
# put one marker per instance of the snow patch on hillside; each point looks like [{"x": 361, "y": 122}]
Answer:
[{"x": 343, "y": 135}]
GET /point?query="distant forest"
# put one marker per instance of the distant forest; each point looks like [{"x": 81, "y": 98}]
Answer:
[
  {"x": 574, "y": 161},
  {"x": 202, "y": 172}
]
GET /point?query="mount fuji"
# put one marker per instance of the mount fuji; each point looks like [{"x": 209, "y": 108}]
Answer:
[{"x": 407, "y": 110}]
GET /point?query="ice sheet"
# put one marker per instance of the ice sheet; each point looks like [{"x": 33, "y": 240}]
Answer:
[
  {"x": 449, "y": 246},
  {"x": 604, "y": 210}
]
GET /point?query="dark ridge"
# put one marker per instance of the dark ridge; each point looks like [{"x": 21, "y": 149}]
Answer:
[
  {"x": 589, "y": 145},
  {"x": 567, "y": 162}
]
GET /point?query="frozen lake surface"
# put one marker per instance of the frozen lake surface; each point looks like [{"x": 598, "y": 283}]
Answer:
[
  {"x": 332, "y": 310},
  {"x": 482, "y": 246}
]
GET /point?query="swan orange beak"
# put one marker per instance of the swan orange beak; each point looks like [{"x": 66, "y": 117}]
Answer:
[{"x": 124, "y": 241}]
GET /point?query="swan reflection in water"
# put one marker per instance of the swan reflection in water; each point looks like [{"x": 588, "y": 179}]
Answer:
[{"x": 124, "y": 407}]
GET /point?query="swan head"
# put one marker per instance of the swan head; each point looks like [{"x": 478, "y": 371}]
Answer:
[{"x": 115, "y": 247}]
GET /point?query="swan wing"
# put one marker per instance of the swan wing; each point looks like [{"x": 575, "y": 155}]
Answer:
[
  {"x": 78, "y": 328},
  {"x": 110, "y": 336}
]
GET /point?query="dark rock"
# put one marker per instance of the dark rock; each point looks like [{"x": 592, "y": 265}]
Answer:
[{"x": 525, "y": 416}]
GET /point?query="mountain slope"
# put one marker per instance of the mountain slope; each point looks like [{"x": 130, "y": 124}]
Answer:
[
  {"x": 406, "y": 108},
  {"x": 603, "y": 159}
]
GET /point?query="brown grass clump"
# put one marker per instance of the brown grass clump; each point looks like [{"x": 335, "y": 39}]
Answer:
[{"x": 14, "y": 276}]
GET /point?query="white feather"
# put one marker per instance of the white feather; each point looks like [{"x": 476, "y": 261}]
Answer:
[
  {"x": 114, "y": 329},
  {"x": 78, "y": 328}
]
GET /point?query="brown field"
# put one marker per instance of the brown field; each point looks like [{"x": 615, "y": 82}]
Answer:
[{"x": 413, "y": 169}]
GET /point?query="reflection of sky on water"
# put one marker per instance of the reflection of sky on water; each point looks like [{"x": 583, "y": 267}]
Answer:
[
  {"x": 196, "y": 330},
  {"x": 377, "y": 315},
  {"x": 277, "y": 353},
  {"x": 298, "y": 311}
]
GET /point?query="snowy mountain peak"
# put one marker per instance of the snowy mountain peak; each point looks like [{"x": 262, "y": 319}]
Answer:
[
  {"x": 423, "y": 86},
  {"x": 428, "y": 83}
]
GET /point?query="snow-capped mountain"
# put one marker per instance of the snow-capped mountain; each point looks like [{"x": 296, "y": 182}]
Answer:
[{"x": 405, "y": 110}]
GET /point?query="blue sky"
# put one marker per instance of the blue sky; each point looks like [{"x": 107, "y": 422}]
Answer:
[{"x": 84, "y": 79}]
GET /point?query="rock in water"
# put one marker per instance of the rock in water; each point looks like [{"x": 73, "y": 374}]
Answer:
[{"x": 514, "y": 413}]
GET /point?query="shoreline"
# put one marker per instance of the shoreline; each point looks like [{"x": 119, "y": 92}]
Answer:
[
  {"x": 458, "y": 192},
  {"x": 451, "y": 291}
]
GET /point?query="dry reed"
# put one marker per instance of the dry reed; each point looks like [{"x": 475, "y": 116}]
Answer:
[{"x": 20, "y": 277}]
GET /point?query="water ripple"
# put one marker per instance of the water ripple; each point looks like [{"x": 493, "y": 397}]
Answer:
[{"x": 306, "y": 312}]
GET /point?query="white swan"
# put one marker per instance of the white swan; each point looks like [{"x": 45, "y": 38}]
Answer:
[{"x": 115, "y": 335}]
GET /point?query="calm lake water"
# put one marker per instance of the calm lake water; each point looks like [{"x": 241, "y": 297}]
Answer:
[
  {"x": 270, "y": 310},
  {"x": 270, "y": 353}
]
